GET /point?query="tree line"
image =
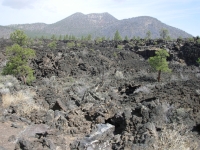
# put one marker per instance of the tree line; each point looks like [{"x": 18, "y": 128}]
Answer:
[
  {"x": 19, "y": 56},
  {"x": 164, "y": 34}
]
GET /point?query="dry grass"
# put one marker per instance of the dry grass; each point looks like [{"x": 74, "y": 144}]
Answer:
[
  {"x": 24, "y": 100},
  {"x": 175, "y": 137}
]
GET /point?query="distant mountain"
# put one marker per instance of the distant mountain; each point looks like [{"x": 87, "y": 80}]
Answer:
[
  {"x": 29, "y": 27},
  {"x": 5, "y": 31},
  {"x": 98, "y": 25},
  {"x": 79, "y": 24},
  {"x": 139, "y": 26}
]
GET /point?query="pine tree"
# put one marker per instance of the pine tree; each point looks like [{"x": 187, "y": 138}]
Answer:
[
  {"x": 89, "y": 37},
  {"x": 17, "y": 65},
  {"x": 126, "y": 38},
  {"x": 19, "y": 37},
  {"x": 164, "y": 33},
  {"x": 117, "y": 36},
  {"x": 18, "y": 58},
  {"x": 159, "y": 62},
  {"x": 53, "y": 37},
  {"x": 148, "y": 35},
  {"x": 60, "y": 37}
]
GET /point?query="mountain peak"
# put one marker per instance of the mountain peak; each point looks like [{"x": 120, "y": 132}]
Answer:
[
  {"x": 77, "y": 14},
  {"x": 103, "y": 24}
]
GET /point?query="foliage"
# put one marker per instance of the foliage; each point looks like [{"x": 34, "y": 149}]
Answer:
[
  {"x": 72, "y": 37},
  {"x": 66, "y": 37},
  {"x": 60, "y": 37},
  {"x": 52, "y": 45},
  {"x": 89, "y": 37},
  {"x": 98, "y": 39},
  {"x": 174, "y": 137},
  {"x": 53, "y": 37},
  {"x": 159, "y": 62},
  {"x": 126, "y": 38},
  {"x": 168, "y": 38},
  {"x": 191, "y": 39},
  {"x": 198, "y": 41},
  {"x": 103, "y": 38},
  {"x": 91, "y": 49},
  {"x": 198, "y": 61},
  {"x": 164, "y": 33},
  {"x": 19, "y": 37},
  {"x": 120, "y": 46},
  {"x": 70, "y": 44},
  {"x": 117, "y": 36},
  {"x": 17, "y": 65},
  {"x": 115, "y": 55},
  {"x": 148, "y": 35}
]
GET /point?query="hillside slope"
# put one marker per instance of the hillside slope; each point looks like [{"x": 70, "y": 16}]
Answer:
[{"x": 98, "y": 25}]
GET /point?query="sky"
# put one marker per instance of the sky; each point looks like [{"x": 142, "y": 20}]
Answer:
[{"x": 182, "y": 14}]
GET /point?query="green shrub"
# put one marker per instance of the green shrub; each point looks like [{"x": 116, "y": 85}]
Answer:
[
  {"x": 190, "y": 39},
  {"x": 120, "y": 46},
  {"x": 115, "y": 55},
  {"x": 19, "y": 37},
  {"x": 198, "y": 41},
  {"x": 70, "y": 44},
  {"x": 17, "y": 65},
  {"x": 52, "y": 45},
  {"x": 78, "y": 44},
  {"x": 91, "y": 49}
]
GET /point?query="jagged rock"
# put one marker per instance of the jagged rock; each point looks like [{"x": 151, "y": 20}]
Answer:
[
  {"x": 23, "y": 144},
  {"x": 32, "y": 130},
  {"x": 2, "y": 148},
  {"x": 99, "y": 139},
  {"x": 98, "y": 83}
]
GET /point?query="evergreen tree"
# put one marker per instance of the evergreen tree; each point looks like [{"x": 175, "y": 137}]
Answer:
[
  {"x": 103, "y": 38},
  {"x": 53, "y": 37},
  {"x": 82, "y": 38},
  {"x": 159, "y": 62},
  {"x": 60, "y": 37},
  {"x": 17, "y": 65},
  {"x": 164, "y": 33},
  {"x": 89, "y": 37},
  {"x": 18, "y": 58},
  {"x": 66, "y": 37},
  {"x": 19, "y": 37},
  {"x": 126, "y": 38},
  {"x": 73, "y": 37},
  {"x": 117, "y": 36},
  {"x": 148, "y": 35}
]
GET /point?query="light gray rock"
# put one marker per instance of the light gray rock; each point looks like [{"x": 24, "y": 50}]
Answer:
[{"x": 99, "y": 139}]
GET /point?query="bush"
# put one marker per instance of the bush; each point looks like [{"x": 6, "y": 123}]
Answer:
[
  {"x": 17, "y": 65},
  {"x": 70, "y": 44},
  {"x": 198, "y": 41},
  {"x": 175, "y": 137},
  {"x": 115, "y": 55},
  {"x": 52, "y": 45},
  {"x": 19, "y": 37},
  {"x": 120, "y": 46}
]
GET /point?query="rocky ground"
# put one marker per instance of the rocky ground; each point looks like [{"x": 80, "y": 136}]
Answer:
[{"x": 103, "y": 95}]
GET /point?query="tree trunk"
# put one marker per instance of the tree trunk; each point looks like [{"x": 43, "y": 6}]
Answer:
[
  {"x": 159, "y": 73},
  {"x": 24, "y": 79}
]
